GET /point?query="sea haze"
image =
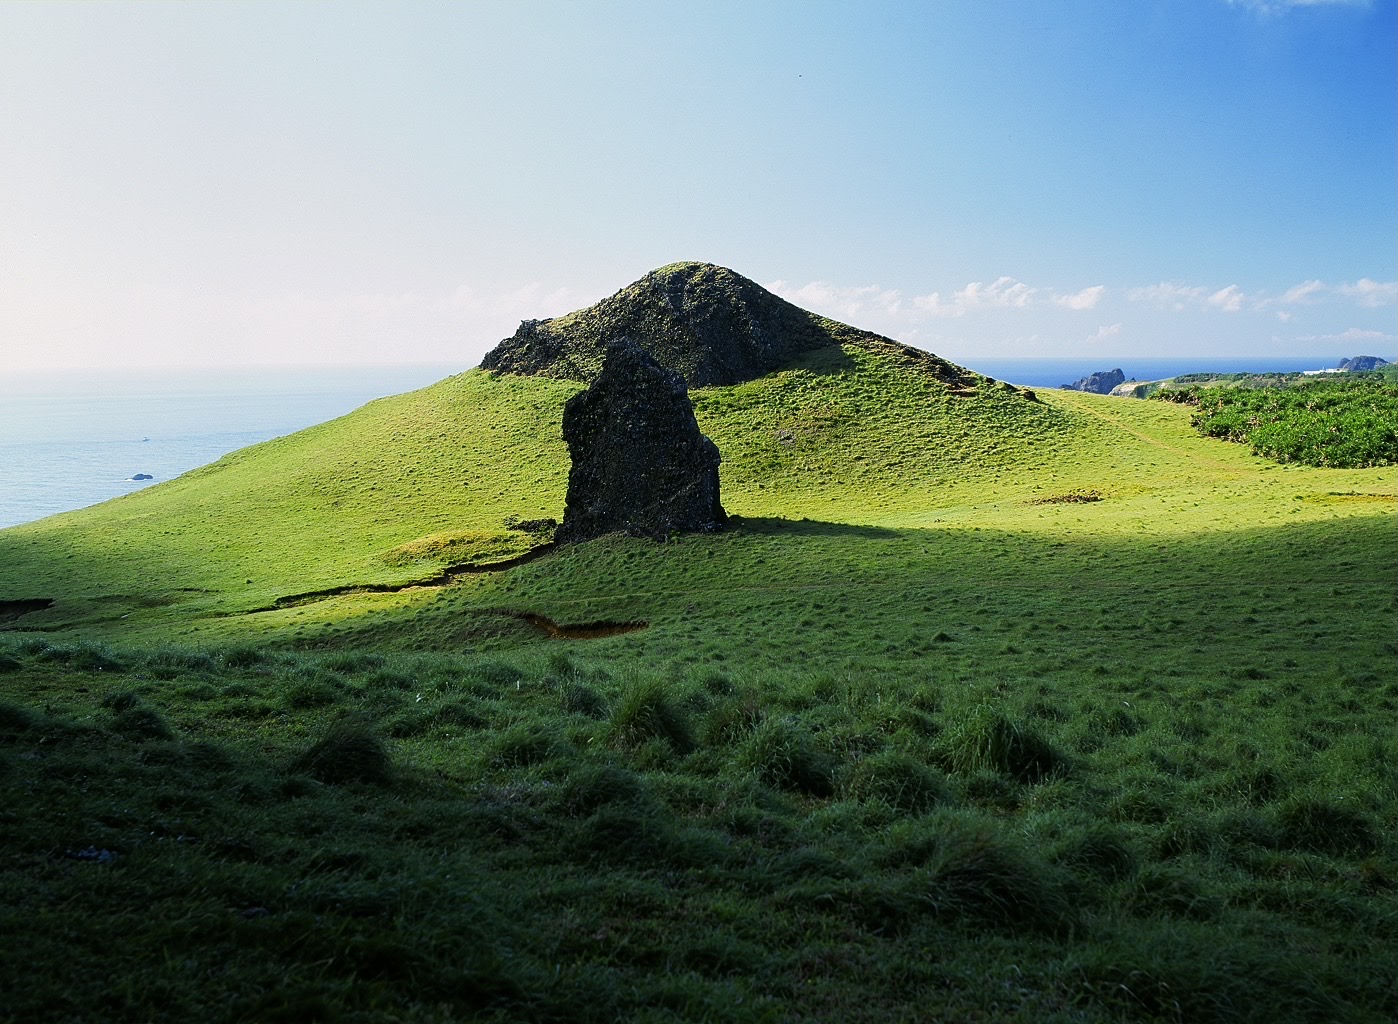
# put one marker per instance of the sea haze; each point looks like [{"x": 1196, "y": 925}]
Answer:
[
  {"x": 1053, "y": 373},
  {"x": 71, "y": 439}
]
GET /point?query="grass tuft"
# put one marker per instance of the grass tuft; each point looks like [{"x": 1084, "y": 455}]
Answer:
[
  {"x": 349, "y": 752},
  {"x": 785, "y": 756},
  {"x": 898, "y": 779},
  {"x": 646, "y": 711},
  {"x": 985, "y": 739}
]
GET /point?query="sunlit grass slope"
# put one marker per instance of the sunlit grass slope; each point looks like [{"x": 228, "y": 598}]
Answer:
[
  {"x": 982, "y": 709},
  {"x": 406, "y": 486}
]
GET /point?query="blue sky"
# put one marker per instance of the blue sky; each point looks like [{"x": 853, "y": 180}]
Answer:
[{"x": 212, "y": 184}]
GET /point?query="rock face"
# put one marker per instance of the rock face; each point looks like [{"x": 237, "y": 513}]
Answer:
[
  {"x": 640, "y": 465},
  {"x": 709, "y": 324},
  {"x": 1100, "y": 383},
  {"x": 1360, "y": 364}
]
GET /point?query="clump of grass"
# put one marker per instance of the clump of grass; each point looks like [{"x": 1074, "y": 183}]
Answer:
[
  {"x": 646, "y": 711},
  {"x": 525, "y": 744},
  {"x": 9, "y": 664},
  {"x": 242, "y": 656},
  {"x": 1325, "y": 826},
  {"x": 1101, "y": 852},
  {"x": 596, "y": 786},
  {"x": 732, "y": 719},
  {"x": 985, "y": 739},
  {"x": 171, "y": 663},
  {"x": 353, "y": 662},
  {"x": 578, "y": 698},
  {"x": 899, "y": 779},
  {"x": 83, "y": 657},
  {"x": 978, "y": 874},
  {"x": 348, "y": 752},
  {"x": 783, "y": 755},
  {"x": 15, "y": 719},
  {"x": 141, "y": 723}
]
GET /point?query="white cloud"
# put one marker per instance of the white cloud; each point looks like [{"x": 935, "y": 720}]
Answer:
[
  {"x": 1283, "y": 315},
  {"x": 1370, "y": 293},
  {"x": 1282, "y": 6},
  {"x": 1229, "y": 299},
  {"x": 1353, "y": 334},
  {"x": 1085, "y": 299},
  {"x": 1168, "y": 295},
  {"x": 1104, "y": 332},
  {"x": 1306, "y": 291},
  {"x": 848, "y": 304},
  {"x": 1002, "y": 293}
]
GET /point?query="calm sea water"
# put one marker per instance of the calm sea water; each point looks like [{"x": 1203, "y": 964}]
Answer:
[{"x": 68, "y": 439}]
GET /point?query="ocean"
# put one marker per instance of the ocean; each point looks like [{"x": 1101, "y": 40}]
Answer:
[{"x": 71, "y": 439}]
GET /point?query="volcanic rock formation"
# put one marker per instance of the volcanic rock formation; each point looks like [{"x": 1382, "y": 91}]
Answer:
[
  {"x": 1360, "y": 364},
  {"x": 707, "y": 323},
  {"x": 1099, "y": 383},
  {"x": 640, "y": 465}
]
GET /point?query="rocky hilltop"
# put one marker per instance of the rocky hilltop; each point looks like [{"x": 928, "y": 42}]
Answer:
[
  {"x": 1361, "y": 364},
  {"x": 1100, "y": 383},
  {"x": 707, "y": 323}
]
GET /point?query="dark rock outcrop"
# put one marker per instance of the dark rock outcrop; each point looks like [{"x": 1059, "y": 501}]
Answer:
[
  {"x": 640, "y": 465},
  {"x": 1361, "y": 364},
  {"x": 707, "y": 323},
  {"x": 1099, "y": 383}
]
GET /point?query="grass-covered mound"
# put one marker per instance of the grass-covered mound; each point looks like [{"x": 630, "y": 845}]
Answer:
[
  {"x": 707, "y": 323},
  {"x": 407, "y": 487},
  {"x": 1337, "y": 421}
]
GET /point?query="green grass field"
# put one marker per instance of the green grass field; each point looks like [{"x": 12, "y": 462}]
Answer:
[{"x": 984, "y": 709}]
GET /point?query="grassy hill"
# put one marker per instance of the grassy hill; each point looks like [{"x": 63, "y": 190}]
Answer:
[{"x": 985, "y": 709}]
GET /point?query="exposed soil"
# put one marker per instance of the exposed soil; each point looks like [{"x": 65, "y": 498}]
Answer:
[
  {"x": 444, "y": 578},
  {"x": 582, "y": 631},
  {"x": 1071, "y": 498},
  {"x": 12, "y": 610}
]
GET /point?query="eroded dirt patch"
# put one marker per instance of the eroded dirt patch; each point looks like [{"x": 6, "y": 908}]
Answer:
[
  {"x": 581, "y": 631},
  {"x": 12, "y": 610},
  {"x": 444, "y": 578},
  {"x": 1071, "y": 498}
]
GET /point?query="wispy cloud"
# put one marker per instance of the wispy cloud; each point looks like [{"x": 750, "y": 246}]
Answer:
[
  {"x": 1355, "y": 334},
  {"x": 1282, "y": 6},
  {"x": 1370, "y": 293},
  {"x": 1232, "y": 299},
  {"x": 1002, "y": 293},
  {"x": 850, "y": 304},
  {"x": 1169, "y": 295},
  {"x": 1085, "y": 299},
  {"x": 1104, "y": 332}
]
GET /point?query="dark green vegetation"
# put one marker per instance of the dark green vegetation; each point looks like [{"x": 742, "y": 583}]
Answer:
[
  {"x": 706, "y": 323},
  {"x": 1339, "y": 421},
  {"x": 984, "y": 709}
]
